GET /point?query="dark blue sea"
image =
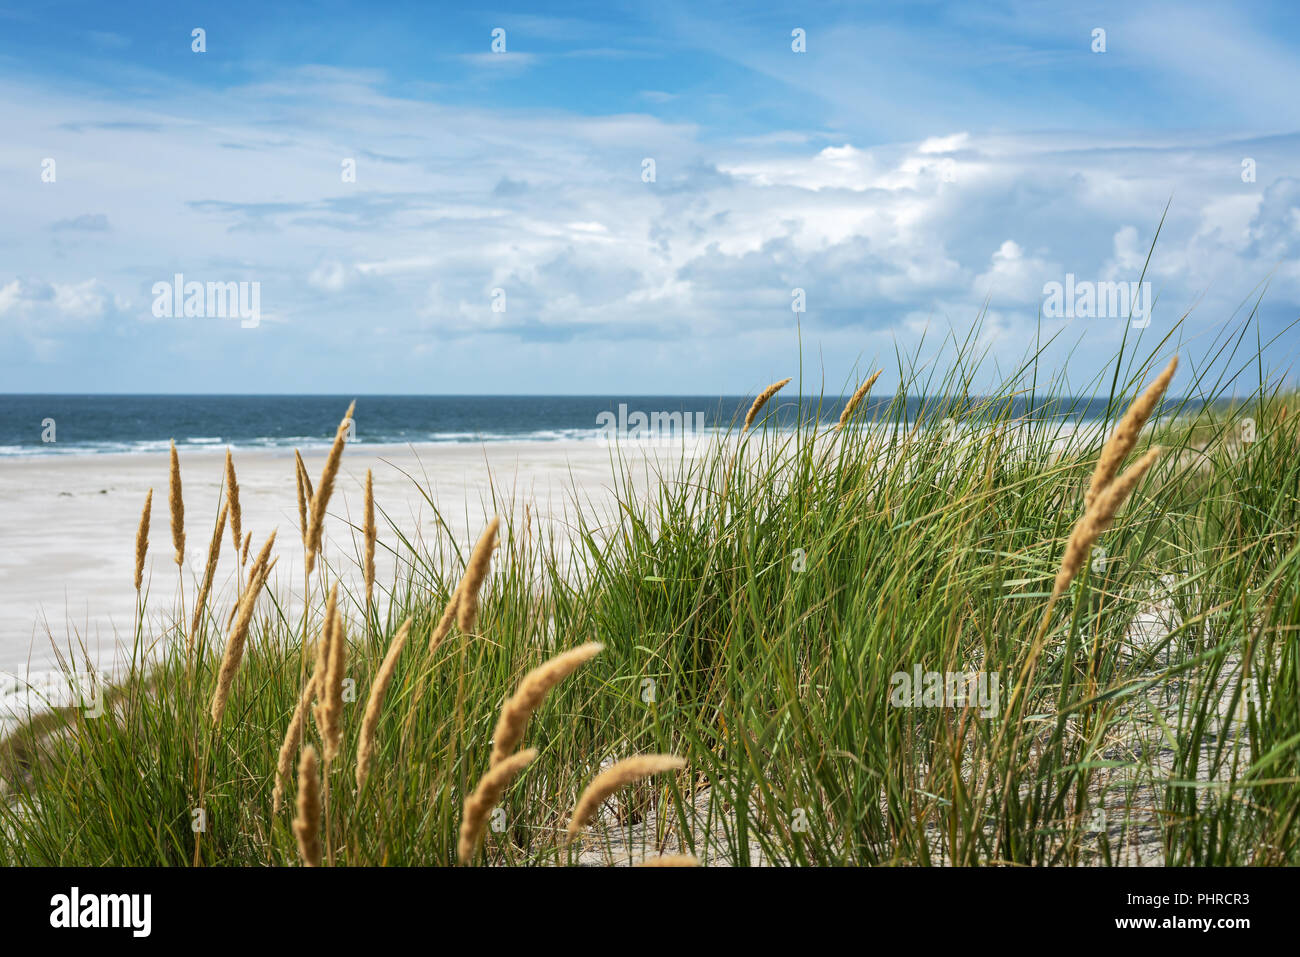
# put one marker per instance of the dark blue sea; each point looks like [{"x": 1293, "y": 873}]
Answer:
[{"x": 81, "y": 424}]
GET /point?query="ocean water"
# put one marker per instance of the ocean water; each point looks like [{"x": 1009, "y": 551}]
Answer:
[{"x": 83, "y": 424}]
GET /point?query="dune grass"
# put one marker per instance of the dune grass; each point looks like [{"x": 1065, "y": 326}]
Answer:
[{"x": 756, "y": 607}]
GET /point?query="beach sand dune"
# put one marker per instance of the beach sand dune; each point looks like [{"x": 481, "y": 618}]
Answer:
[{"x": 70, "y": 524}]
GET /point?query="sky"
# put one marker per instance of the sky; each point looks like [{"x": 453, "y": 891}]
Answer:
[{"x": 634, "y": 198}]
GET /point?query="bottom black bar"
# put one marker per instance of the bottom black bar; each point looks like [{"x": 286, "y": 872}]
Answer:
[{"x": 136, "y": 905}]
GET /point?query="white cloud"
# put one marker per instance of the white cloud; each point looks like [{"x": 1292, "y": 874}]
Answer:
[
  {"x": 451, "y": 202},
  {"x": 1013, "y": 277},
  {"x": 56, "y": 302},
  {"x": 944, "y": 144}
]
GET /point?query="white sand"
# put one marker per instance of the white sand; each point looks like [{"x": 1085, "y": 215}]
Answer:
[{"x": 70, "y": 524}]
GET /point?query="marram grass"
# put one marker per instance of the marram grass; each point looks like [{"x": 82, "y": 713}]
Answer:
[
  {"x": 142, "y": 540},
  {"x": 761, "y": 400},
  {"x": 519, "y": 707},
  {"x": 617, "y": 776},
  {"x": 375, "y": 703},
  {"x": 770, "y": 620}
]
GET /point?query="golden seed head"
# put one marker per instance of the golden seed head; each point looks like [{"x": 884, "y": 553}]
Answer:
[
  {"x": 331, "y": 664},
  {"x": 369, "y": 569},
  {"x": 479, "y": 805},
  {"x": 177, "y": 504},
  {"x": 761, "y": 401},
  {"x": 618, "y": 775},
  {"x": 856, "y": 398},
  {"x": 232, "y": 496},
  {"x": 378, "y": 689},
  {"x": 292, "y": 737},
  {"x": 1126, "y": 433},
  {"x": 264, "y": 555},
  {"x": 671, "y": 860},
  {"x": 1099, "y": 518},
  {"x": 306, "y": 826},
  {"x": 475, "y": 572},
  {"x": 142, "y": 540},
  {"x": 302, "y": 508},
  {"x": 445, "y": 622},
  {"x": 214, "y": 551},
  {"x": 520, "y": 706},
  {"x": 302, "y": 470},
  {"x": 323, "y": 658},
  {"x": 235, "y": 642},
  {"x": 320, "y": 500}
]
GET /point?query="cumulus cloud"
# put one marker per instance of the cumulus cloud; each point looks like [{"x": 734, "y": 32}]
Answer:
[
  {"x": 1275, "y": 229},
  {"x": 40, "y": 318},
  {"x": 944, "y": 144},
  {"x": 453, "y": 202},
  {"x": 76, "y": 303},
  {"x": 1013, "y": 276}
]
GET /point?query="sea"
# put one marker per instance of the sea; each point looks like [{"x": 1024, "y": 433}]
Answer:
[{"x": 88, "y": 424}]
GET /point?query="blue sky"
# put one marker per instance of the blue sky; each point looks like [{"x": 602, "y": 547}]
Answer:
[{"x": 918, "y": 161}]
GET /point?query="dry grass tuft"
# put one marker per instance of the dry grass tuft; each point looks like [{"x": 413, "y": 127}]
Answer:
[
  {"x": 263, "y": 556},
  {"x": 445, "y": 622},
  {"x": 323, "y": 658},
  {"x": 306, "y": 826},
  {"x": 1126, "y": 433},
  {"x": 239, "y": 632},
  {"x": 619, "y": 775},
  {"x": 302, "y": 507},
  {"x": 671, "y": 860},
  {"x": 856, "y": 398},
  {"x": 761, "y": 401},
  {"x": 475, "y": 572},
  {"x": 214, "y": 551},
  {"x": 369, "y": 570},
  {"x": 1097, "y": 519},
  {"x": 177, "y": 504},
  {"x": 232, "y": 496},
  {"x": 320, "y": 501},
  {"x": 519, "y": 707},
  {"x": 142, "y": 540},
  {"x": 378, "y": 688},
  {"x": 302, "y": 469},
  {"x": 479, "y": 805},
  {"x": 292, "y": 738},
  {"x": 329, "y": 711}
]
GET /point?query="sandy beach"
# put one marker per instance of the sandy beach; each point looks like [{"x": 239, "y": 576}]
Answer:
[{"x": 70, "y": 524}]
